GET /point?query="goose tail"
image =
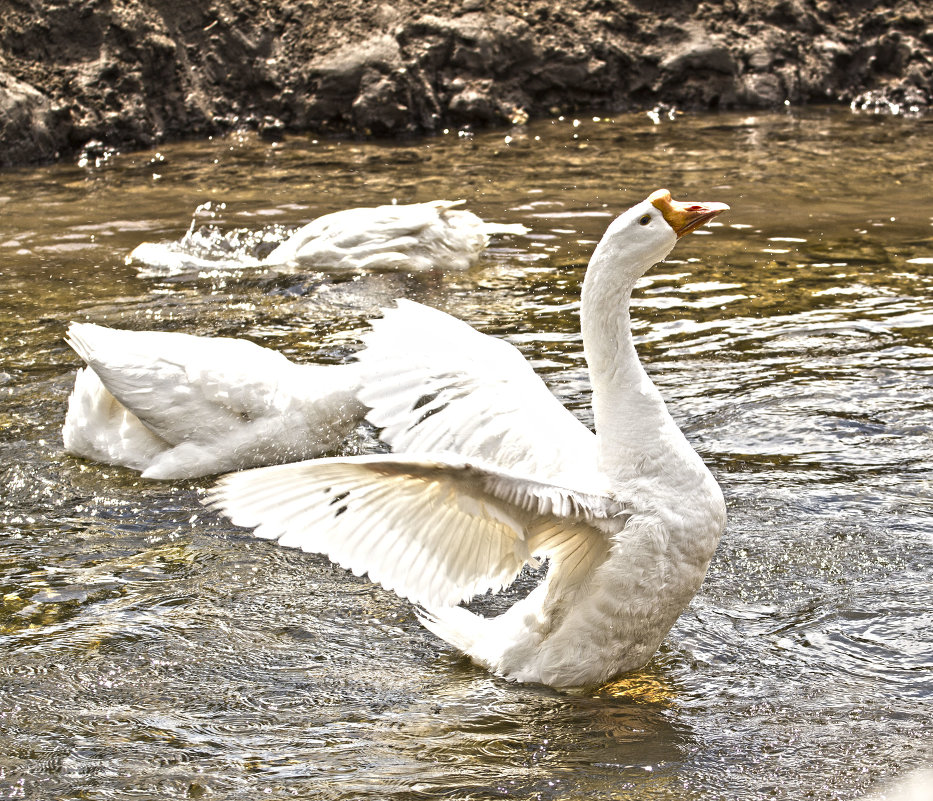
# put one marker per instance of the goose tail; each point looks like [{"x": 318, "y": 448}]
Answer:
[
  {"x": 98, "y": 427},
  {"x": 467, "y": 632}
]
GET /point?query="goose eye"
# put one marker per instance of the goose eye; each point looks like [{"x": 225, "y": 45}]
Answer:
[{"x": 644, "y": 219}]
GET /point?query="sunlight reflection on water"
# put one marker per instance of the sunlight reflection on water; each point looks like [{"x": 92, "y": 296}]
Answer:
[{"x": 152, "y": 649}]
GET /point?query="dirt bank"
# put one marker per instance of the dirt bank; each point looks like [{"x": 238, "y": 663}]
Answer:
[{"x": 132, "y": 73}]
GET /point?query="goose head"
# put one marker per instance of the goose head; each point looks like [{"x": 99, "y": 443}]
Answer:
[{"x": 644, "y": 235}]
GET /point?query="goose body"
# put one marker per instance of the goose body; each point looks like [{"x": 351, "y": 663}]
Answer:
[
  {"x": 491, "y": 473},
  {"x": 415, "y": 236},
  {"x": 173, "y": 405},
  {"x": 435, "y": 235}
]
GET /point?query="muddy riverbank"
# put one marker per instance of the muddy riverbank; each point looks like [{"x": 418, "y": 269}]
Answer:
[{"x": 100, "y": 75}]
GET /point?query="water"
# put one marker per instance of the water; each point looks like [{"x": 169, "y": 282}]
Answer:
[{"x": 150, "y": 649}]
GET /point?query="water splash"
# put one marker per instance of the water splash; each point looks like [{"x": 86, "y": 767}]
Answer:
[
  {"x": 907, "y": 103},
  {"x": 206, "y": 248}
]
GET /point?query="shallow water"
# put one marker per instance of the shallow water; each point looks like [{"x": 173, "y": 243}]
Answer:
[{"x": 150, "y": 649}]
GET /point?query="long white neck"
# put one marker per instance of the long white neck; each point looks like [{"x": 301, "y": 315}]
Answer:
[{"x": 632, "y": 422}]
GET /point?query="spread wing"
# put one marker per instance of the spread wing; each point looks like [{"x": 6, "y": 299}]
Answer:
[
  {"x": 437, "y": 532},
  {"x": 436, "y": 385}
]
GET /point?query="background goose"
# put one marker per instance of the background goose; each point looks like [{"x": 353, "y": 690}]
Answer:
[
  {"x": 493, "y": 473},
  {"x": 436, "y": 235},
  {"x": 174, "y": 405},
  {"x": 419, "y": 236}
]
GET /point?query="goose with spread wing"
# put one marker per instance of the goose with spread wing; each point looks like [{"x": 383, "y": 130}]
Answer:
[{"x": 491, "y": 472}]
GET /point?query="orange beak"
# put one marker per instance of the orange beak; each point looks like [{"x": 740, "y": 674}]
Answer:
[{"x": 684, "y": 217}]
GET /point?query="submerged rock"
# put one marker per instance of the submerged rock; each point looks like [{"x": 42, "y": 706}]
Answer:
[{"x": 137, "y": 73}]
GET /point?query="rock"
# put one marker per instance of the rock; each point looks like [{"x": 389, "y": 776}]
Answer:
[
  {"x": 32, "y": 128},
  {"x": 762, "y": 90},
  {"x": 700, "y": 53},
  {"x": 271, "y": 129},
  {"x": 474, "y": 105},
  {"x": 379, "y": 109}
]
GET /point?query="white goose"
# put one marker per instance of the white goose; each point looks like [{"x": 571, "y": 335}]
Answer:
[
  {"x": 496, "y": 473},
  {"x": 174, "y": 405},
  {"x": 418, "y": 236},
  {"x": 435, "y": 235}
]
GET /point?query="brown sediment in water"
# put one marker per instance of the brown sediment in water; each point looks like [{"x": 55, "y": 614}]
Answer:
[{"x": 141, "y": 72}]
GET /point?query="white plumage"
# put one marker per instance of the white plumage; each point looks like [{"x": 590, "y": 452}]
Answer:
[
  {"x": 494, "y": 473},
  {"x": 435, "y": 235},
  {"x": 417, "y": 236},
  {"x": 434, "y": 384},
  {"x": 173, "y": 405}
]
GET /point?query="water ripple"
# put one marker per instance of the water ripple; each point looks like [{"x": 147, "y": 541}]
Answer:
[{"x": 152, "y": 650}]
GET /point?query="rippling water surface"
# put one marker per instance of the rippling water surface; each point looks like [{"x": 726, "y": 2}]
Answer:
[{"x": 152, "y": 650}]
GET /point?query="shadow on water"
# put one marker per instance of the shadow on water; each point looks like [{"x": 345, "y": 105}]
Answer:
[{"x": 150, "y": 649}]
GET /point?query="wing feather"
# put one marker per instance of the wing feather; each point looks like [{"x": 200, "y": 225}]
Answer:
[
  {"x": 434, "y": 384},
  {"x": 437, "y": 532}
]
